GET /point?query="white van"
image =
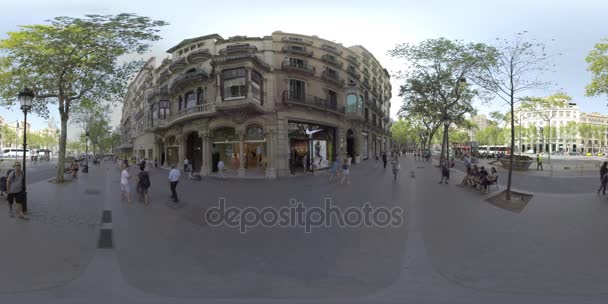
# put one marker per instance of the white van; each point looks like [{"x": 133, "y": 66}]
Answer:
[{"x": 14, "y": 153}]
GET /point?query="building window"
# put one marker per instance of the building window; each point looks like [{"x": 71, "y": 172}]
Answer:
[
  {"x": 257, "y": 85},
  {"x": 165, "y": 109},
  {"x": 297, "y": 48},
  {"x": 190, "y": 100},
  {"x": 298, "y": 63},
  {"x": 297, "y": 89},
  {"x": 200, "y": 96},
  {"x": 332, "y": 73},
  {"x": 234, "y": 83},
  {"x": 361, "y": 103},
  {"x": 351, "y": 103},
  {"x": 332, "y": 98},
  {"x": 179, "y": 103}
]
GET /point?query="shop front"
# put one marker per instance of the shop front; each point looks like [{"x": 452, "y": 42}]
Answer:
[
  {"x": 307, "y": 154},
  {"x": 364, "y": 145}
]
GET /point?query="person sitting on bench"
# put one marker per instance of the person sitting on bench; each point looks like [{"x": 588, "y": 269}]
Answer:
[{"x": 490, "y": 179}]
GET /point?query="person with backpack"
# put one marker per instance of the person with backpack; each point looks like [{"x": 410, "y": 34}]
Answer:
[
  {"x": 384, "y": 159},
  {"x": 15, "y": 187},
  {"x": 143, "y": 184}
]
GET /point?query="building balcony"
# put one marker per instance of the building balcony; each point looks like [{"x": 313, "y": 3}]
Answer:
[
  {"x": 296, "y": 41},
  {"x": 240, "y": 57},
  {"x": 313, "y": 102},
  {"x": 332, "y": 78},
  {"x": 187, "y": 79},
  {"x": 197, "y": 111},
  {"x": 178, "y": 65},
  {"x": 353, "y": 60},
  {"x": 302, "y": 52},
  {"x": 331, "y": 49},
  {"x": 199, "y": 56},
  {"x": 355, "y": 116},
  {"x": 331, "y": 60},
  {"x": 365, "y": 84},
  {"x": 303, "y": 69},
  {"x": 249, "y": 104},
  {"x": 353, "y": 73},
  {"x": 234, "y": 49},
  {"x": 157, "y": 94}
]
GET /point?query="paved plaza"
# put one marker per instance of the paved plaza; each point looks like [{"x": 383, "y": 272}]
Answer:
[{"x": 453, "y": 246}]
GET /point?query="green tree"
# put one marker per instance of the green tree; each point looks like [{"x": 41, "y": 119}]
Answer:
[
  {"x": 71, "y": 59},
  {"x": 436, "y": 84},
  {"x": 515, "y": 69},
  {"x": 9, "y": 135},
  {"x": 586, "y": 132},
  {"x": 597, "y": 64}
]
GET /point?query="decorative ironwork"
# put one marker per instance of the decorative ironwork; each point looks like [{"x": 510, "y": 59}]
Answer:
[
  {"x": 300, "y": 68},
  {"x": 331, "y": 60},
  {"x": 333, "y": 78},
  {"x": 297, "y": 50}
]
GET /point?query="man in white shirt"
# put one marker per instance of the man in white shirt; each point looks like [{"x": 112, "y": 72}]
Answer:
[
  {"x": 174, "y": 175},
  {"x": 125, "y": 188},
  {"x": 185, "y": 165},
  {"x": 220, "y": 168}
]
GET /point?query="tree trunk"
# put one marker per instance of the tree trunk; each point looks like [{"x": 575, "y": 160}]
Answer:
[
  {"x": 512, "y": 154},
  {"x": 62, "y": 145},
  {"x": 444, "y": 143}
]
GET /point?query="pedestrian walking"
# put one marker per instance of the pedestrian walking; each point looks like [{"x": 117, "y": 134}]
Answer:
[
  {"x": 16, "y": 193},
  {"x": 539, "y": 162},
  {"x": 384, "y": 159},
  {"x": 345, "y": 172},
  {"x": 603, "y": 178},
  {"x": 143, "y": 184},
  {"x": 186, "y": 165},
  {"x": 395, "y": 165},
  {"x": 333, "y": 172},
  {"x": 376, "y": 163},
  {"x": 174, "y": 175},
  {"x": 220, "y": 168},
  {"x": 155, "y": 163},
  {"x": 445, "y": 171},
  {"x": 125, "y": 187}
]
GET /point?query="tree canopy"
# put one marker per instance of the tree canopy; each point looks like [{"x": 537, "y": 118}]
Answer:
[
  {"x": 71, "y": 59},
  {"x": 597, "y": 64}
]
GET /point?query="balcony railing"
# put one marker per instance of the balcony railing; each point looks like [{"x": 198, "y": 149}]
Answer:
[
  {"x": 246, "y": 48},
  {"x": 195, "y": 76},
  {"x": 331, "y": 49},
  {"x": 241, "y": 57},
  {"x": 296, "y": 41},
  {"x": 301, "y": 52},
  {"x": 303, "y": 68},
  {"x": 313, "y": 102},
  {"x": 352, "y": 72},
  {"x": 331, "y": 60},
  {"x": 203, "y": 108},
  {"x": 333, "y": 78},
  {"x": 353, "y": 60},
  {"x": 365, "y": 83}
]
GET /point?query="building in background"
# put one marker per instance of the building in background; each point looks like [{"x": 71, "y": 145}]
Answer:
[
  {"x": 249, "y": 102},
  {"x": 481, "y": 122}
]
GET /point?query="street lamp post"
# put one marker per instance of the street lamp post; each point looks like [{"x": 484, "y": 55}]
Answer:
[
  {"x": 86, "y": 156},
  {"x": 25, "y": 99}
]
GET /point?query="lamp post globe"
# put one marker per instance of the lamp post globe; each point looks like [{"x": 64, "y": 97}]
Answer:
[{"x": 25, "y": 99}]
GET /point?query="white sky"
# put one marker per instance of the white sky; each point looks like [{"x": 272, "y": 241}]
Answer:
[{"x": 377, "y": 25}]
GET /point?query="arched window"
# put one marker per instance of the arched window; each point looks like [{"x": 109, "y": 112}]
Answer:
[
  {"x": 254, "y": 133},
  {"x": 200, "y": 96},
  {"x": 351, "y": 103}
]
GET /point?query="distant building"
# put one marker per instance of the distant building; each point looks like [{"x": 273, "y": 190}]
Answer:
[{"x": 482, "y": 122}]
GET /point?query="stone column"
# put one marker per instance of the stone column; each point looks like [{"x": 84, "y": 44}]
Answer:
[
  {"x": 241, "y": 170},
  {"x": 206, "y": 148},
  {"x": 271, "y": 171},
  {"x": 181, "y": 150},
  {"x": 218, "y": 84}
]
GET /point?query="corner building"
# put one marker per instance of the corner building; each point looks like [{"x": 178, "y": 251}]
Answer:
[{"x": 248, "y": 101}]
